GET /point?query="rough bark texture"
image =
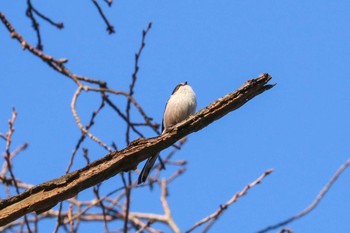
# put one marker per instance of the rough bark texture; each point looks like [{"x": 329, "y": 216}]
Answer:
[{"x": 44, "y": 196}]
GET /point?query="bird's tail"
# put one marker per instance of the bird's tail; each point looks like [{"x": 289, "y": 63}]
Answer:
[{"x": 147, "y": 168}]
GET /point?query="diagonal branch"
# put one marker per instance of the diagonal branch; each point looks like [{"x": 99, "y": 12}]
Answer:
[
  {"x": 110, "y": 28},
  {"x": 212, "y": 218},
  {"x": 315, "y": 202},
  {"x": 44, "y": 196}
]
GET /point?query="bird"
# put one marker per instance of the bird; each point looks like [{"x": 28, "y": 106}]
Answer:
[{"x": 181, "y": 104}]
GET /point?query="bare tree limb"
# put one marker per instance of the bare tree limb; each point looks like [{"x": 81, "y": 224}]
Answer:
[
  {"x": 44, "y": 196},
  {"x": 314, "y": 203}
]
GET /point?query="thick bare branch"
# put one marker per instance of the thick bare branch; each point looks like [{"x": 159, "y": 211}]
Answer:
[{"x": 44, "y": 196}]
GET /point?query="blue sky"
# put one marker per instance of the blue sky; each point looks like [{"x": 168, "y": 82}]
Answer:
[{"x": 300, "y": 128}]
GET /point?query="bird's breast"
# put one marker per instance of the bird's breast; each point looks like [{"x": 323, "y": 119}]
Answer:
[{"x": 179, "y": 107}]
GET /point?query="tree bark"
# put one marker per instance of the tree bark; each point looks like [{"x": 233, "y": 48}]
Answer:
[{"x": 46, "y": 195}]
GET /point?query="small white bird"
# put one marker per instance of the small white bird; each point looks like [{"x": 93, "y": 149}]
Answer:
[{"x": 181, "y": 104}]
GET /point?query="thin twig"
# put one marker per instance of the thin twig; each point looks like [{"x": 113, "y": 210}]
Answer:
[
  {"x": 59, "y": 219},
  {"x": 8, "y": 158},
  {"x": 315, "y": 202},
  {"x": 12, "y": 155},
  {"x": 56, "y": 64},
  {"x": 96, "y": 191},
  {"x": 128, "y": 202},
  {"x": 109, "y": 2},
  {"x": 83, "y": 135},
  {"x": 29, "y": 12},
  {"x": 35, "y": 24},
  {"x": 166, "y": 208},
  {"x": 110, "y": 27},
  {"x": 214, "y": 216},
  {"x": 103, "y": 90},
  {"x": 122, "y": 115},
  {"x": 3, "y": 137},
  {"x": 134, "y": 78},
  {"x": 59, "y": 25},
  {"x": 129, "y": 125},
  {"x": 77, "y": 119}
]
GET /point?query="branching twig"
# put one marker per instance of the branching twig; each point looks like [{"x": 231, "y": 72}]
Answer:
[
  {"x": 81, "y": 126},
  {"x": 35, "y": 24},
  {"x": 133, "y": 82},
  {"x": 9, "y": 156},
  {"x": 29, "y": 12},
  {"x": 129, "y": 124},
  {"x": 58, "y": 25},
  {"x": 82, "y": 137},
  {"x": 96, "y": 190},
  {"x": 56, "y": 64},
  {"x": 5, "y": 166},
  {"x": 214, "y": 216},
  {"x": 316, "y": 201}
]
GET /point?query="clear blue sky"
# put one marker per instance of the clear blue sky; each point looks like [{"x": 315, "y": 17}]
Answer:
[{"x": 300, "y": 128}]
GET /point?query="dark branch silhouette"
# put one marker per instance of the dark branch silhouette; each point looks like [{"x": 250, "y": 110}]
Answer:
[{"x": 110, "y": 28}]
